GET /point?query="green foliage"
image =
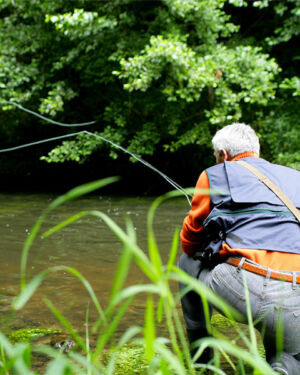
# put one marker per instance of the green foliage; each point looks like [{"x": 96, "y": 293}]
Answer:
[
  {"x": 209, "y": 19},
  {"x": 290, "y": 159},
  {"x": 80, "y": 22},
  {"x": 291, "y": 25},
  {"x": 191, "y": 73},
  {"x": 55, "y": 100},
  {"x": 279, "y": 133},
  {"x": 291, "y": 84},
  {"x": 154, "y": 75},
  {"x": 73, "y": 150}
]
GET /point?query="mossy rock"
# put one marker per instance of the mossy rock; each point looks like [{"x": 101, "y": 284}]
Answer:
[
  {"x": 221, "y": 322},
  {"x": 29, "y": 334},
  {"x": 129, "y": 360},
  {"x": 229, "y": 329}
]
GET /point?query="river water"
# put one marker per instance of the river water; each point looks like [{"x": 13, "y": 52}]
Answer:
[{"x": 86, "y": 245}]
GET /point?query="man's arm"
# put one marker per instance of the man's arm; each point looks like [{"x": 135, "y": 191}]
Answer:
[{"x": 191, "y": 233}]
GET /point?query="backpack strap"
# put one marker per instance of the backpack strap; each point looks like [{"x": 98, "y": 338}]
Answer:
[{"x": 289, "y": 204}]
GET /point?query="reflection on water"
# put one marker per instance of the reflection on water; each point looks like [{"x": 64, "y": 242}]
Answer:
[{"x": 87, "y": 245}]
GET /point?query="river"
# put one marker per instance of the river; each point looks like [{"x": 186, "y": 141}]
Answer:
[{"x": 86, "y": 245}]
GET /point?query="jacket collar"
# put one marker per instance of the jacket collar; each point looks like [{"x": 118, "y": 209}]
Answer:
[{"x": 244, "y": 155}]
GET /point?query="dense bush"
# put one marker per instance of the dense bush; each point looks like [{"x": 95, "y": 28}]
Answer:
[{"x": 158, "y": 77}]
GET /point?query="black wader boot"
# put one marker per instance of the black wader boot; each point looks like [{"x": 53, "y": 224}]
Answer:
[{"x": 194, "y": 335}]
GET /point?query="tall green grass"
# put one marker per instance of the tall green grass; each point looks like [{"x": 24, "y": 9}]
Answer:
[{"x": 152, "y": 353}]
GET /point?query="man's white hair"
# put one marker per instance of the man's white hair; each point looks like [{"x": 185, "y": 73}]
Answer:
[{"x": 236, "y": 139}]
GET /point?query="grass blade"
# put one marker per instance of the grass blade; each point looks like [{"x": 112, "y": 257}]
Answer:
[
  {"x": 64, "y": 223},
  {"x": 149, "y": 329},
  {"x": 253, "y": 359},
  {"x": 21, "y": 300},
  {"x": 170, "y": 358},
  {"x": 110, "y": 330},
  {"x": 82, "y": 190},
  {"x": 173, "y": 252},
  {"x": 71, "y": 194},
  {"x": 31, "y": 287},
  {"x": 206, "y": 292},
  {"x": 140, "y": 257},
  {"x": 65, "y": 323},
  {"x": 121, "y": 272},
  {"x": 249, "y": 315}
]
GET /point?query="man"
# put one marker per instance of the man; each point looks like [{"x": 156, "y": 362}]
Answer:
[{"x": 246, "y": 231}]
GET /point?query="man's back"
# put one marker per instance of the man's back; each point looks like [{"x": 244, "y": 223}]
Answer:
[{"x": 251, "y": 212}]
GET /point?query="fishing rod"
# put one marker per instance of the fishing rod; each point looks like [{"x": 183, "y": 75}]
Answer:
[{"x": 168, "y": 179}]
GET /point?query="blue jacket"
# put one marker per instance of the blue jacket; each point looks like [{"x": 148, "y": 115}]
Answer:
[{"x": 248, "y": 215}]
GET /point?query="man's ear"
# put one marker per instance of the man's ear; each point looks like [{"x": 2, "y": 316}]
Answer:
[{"x": 225, "y": 154}]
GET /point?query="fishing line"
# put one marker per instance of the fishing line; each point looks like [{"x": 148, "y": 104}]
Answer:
[
  {"x": 41, "y": 141},
  {"x": 168, "y": 179},
  {"x": 46, "y": 118}
]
